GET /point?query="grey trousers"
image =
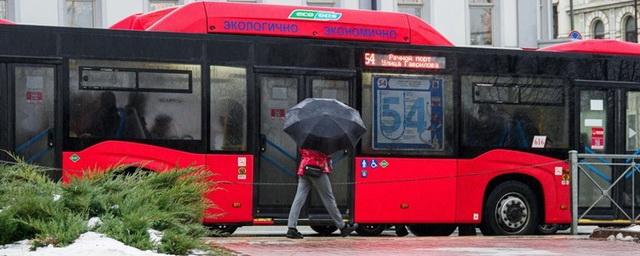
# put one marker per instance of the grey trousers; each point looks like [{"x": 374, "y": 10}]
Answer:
[{"x": 322, "y": 185}]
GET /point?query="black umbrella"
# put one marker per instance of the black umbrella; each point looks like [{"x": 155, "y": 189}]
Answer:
[{"x": 325, "y": 125}]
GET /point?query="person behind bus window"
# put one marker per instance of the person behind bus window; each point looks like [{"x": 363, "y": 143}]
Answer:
[
  {"x": 161, "y": 128},
  {"x": 106, "y": 119},
  {"x": 228, "y": 129},
  {"x": 135, "y": 126},
  {"x": 487, "y": 127}
]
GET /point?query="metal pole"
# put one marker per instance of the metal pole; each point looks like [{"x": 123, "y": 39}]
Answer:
[
  {"x": 571, "y": 14},
  {"x": 573, "y": 159}
]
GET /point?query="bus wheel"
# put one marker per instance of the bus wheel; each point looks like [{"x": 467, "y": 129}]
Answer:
[
  {"x": 432, "y": 229},
  {"x": 547, "y": 229},
  {"x": 510, "y": 209},
  {"x": 370, "y": 229},
  {"x": 223, "y": 230},
  {"x": 324, "y": 230}
]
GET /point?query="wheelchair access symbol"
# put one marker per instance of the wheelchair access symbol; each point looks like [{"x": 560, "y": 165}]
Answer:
[{"x": 374, "y": 164}]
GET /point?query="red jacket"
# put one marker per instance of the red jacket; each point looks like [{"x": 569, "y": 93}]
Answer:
[{"x": 315, "y": 158}]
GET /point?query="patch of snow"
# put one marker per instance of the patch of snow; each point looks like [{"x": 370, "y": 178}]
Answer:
[
  {"x": 155, "y": 236},
  {"x": 632, "y": 228},
  {"x": 94, "y": 223},
  {"x": 611, "y": 238},
  {"x": 56, "y": 197},
  {"x": 89, "y": 243},
  {"x": 622, "y": 237}
]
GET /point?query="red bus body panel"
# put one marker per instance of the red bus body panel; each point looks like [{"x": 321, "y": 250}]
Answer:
[
  {"x": 450, "y": 190},
  {"x": 475, "y": 174},
  {"x": 233, "y": 199},
  {"x": 275, "y": 20},
  {"x": 405, "y": 191},
  {"x": 596, "y": 46}
]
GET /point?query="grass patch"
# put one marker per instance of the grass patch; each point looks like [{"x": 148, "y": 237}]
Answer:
[{"x": 34, "y": 207}]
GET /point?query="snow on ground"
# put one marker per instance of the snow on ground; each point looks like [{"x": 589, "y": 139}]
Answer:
[
  {"x": 90, "y": 243},
  {"x": 632, "y": 228}
]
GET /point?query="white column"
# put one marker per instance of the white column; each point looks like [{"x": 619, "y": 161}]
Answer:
[
  {"x": 387, "y": 5},
  {"x": 350, "y": 4},
  {"x": 506, "y": 23},
  {"x": 115, "y": 10},
  {"x": 564, "y": 22},
  {"x": 37, "y": 12},
  {"x": 450, "y": 18}
]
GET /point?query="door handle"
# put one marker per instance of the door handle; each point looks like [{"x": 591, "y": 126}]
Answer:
[
  {"x": 263, "y": 143},
  {"x": 50, "y": 138}
]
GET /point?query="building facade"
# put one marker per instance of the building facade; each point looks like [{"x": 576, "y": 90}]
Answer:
[
  {"x": 609, "y": 19},
  {"x": 501, "y": 23}
]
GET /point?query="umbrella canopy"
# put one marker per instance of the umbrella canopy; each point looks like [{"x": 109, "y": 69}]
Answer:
[{"x": 325, "y": 125}]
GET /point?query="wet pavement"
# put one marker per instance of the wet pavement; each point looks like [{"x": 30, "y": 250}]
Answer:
[{"x": 267, "y": 242}]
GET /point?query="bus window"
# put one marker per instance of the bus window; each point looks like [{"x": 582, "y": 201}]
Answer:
[
  {"x": 228, "y": 108},
  {"x": 134, "y": 100},
  {"x": 407, "y": 114},
  {"x": 510, "y": 112}
]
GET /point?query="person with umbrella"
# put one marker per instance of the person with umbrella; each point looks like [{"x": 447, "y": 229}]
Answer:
[{"x": 320, "y": 127}]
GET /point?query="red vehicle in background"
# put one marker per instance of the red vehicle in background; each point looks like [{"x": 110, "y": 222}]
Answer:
[{"x": 456, "y": 136}]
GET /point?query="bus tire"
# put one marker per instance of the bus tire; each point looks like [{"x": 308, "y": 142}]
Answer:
[
  {"x": 370, "y": 229},
  {"x": 324, "y": 230},
  {"x": 547, "y": 229},
  {"x": 512, "y": 208},
  {"x": 432, "y": 229},
  {"x": 223, "y": 230}
]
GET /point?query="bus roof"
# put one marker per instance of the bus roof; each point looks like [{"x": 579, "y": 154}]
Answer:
[
  {"x": 596, "y": 46},
  {"x": 288, "y": 21}
]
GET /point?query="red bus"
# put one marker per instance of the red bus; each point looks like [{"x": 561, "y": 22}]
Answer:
[{"x": 456, "y": 136}]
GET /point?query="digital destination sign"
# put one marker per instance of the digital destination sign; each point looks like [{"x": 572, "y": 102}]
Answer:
[{"x": 404, "y": 61}]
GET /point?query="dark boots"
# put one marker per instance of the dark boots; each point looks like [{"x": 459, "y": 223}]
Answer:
[
  {"x": 347, "y": 229},
  {"x": 294, "y": 234}
]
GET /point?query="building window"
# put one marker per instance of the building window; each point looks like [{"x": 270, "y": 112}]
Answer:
[
  {"x": 481, "y": 21},
  {"x": 413, "y": 7},
  {"x": 630, "y": 30},
  {"x": 322, "y": 3},
  {"x": 80, "y": 13},
  {"x": 3, "y": 9},
  {"x": 161, "y": 4},
  {"x": 598, "y": 30}
]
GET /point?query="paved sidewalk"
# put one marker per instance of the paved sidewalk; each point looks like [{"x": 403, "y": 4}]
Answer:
[{"x": 411, "y": 245}]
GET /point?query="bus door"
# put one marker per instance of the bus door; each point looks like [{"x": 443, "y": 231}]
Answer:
[
  {"x": 278, "y": 156},
  {"x": 30, "y": 89},
  {"x": 608, "y": 124}
]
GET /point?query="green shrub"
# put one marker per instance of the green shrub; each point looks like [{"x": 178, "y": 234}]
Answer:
[{"x": 129, "y": 204}]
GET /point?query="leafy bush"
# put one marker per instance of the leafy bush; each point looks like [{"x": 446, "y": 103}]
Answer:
[{"x": 128, "y": 204}]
